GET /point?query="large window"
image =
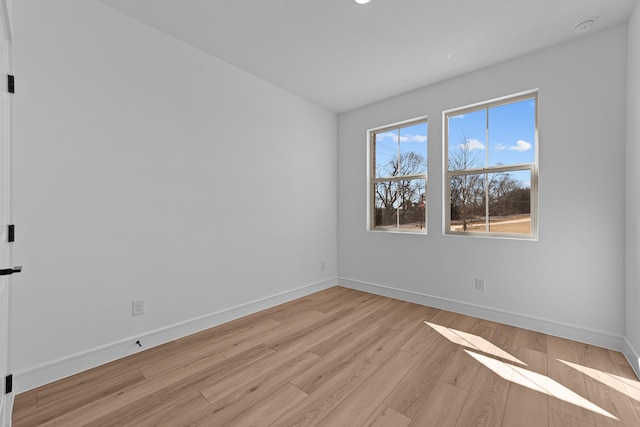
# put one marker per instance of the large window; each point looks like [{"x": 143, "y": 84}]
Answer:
[
  {"x": 398, "y": 177},
  {"x": 492, "y": 173}
]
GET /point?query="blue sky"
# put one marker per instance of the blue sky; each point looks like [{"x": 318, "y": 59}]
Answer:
[
  {"x": 411, "y": 139},
  {"x": 511, "y": 133},
  {"x": 511, "y": 137}
]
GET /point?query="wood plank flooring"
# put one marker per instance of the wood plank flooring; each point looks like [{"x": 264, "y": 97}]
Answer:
[{"x": 341, "y": 357}]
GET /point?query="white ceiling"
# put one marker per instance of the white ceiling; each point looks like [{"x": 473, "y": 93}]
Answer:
[{"x": 341, "y": 55}]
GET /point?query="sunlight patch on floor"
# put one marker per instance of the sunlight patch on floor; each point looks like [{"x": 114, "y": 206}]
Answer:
[
  {"x": 537, "y": 382},
  {"x": 623, "y": 385},
  {"x": 475, "y": 342}
]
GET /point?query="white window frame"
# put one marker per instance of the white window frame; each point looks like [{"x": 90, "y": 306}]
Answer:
[
  {"x": 532, "y": 167},
  {"x": 372, "y": 180}
]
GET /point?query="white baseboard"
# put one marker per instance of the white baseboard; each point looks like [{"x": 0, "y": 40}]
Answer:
[
  {"x": 73, "y": 364},
  {"x": 550, "y": 327},
  {"x": 632, "y": 356}
]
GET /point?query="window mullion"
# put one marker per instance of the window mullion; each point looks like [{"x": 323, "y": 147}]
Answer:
[
  {"x": 486, "y": 175},
  {"x": 492, "y": 169},
  {"x": 397, "y": 186},
  {"x": 486, "y": 201},
  {"x": 400, "y": 178}
]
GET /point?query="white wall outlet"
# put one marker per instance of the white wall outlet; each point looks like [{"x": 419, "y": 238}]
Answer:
[
  {"x": 137, "y": 307},
  {"x": 480, "y": 284},
  {"x": 323, "y": 265}
]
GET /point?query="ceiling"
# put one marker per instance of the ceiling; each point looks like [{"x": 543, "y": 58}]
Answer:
[{"x": 342, "y": 56}]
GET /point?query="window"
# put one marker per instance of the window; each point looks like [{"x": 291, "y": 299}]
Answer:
[
  {"x": 398, "y": 177},
  {"x": 492, "y": 173}
]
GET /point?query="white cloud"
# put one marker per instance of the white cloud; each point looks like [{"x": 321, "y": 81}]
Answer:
[
  {"x": 472, "y": 144},
  {"x": 403, "y": 138},
  {"x": 521, "y": 145},
  {"x": 499, "y": 147},
  {"x": 384, "y": 135},
  {"x": 413, "y": 138}
]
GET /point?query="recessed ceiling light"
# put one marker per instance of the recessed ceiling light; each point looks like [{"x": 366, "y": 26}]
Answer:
[
  {"x": 362, "y": 1},
  {"x": 583, "y": 26}
]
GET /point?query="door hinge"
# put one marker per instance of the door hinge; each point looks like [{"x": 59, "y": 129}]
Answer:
[
  {"x": 11, "y": 233},
  {"x": 10, "y": 271},
  {"x": 11, "y": 84},
  {"x": 8, "y": 384}
]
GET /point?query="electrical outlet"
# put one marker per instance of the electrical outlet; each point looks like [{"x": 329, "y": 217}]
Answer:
[
  {"x": 137, "y": 307},
  {"x": 323, "y": 265},
  {"x": 480, "y": 284}
]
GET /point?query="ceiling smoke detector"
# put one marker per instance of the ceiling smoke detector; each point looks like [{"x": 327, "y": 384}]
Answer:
[{"x": 583, "y": 26}]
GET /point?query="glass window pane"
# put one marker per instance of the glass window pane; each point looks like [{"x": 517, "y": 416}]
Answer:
[
  {"x": 510, "y": 202},
  {"x": 467, "y": 140},
  {"x": 412, "y": 204},
  {"x": 512, "y": 133},
  {"x": 468, "y": 202},
  {"x": 413, "y": 149},
  {"x": 400, "y": 205},
  {"x": 385, "y": 204},
  {"x": 386, "y": 154}
]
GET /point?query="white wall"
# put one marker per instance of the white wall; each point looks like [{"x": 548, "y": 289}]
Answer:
[
  {"x": 571, "y": 281},
  {"x": 147, "y": 169},
  {"x": 632, "y": 349}
]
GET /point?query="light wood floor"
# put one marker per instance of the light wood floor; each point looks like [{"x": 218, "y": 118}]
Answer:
[{"x": 346, "y": 358}]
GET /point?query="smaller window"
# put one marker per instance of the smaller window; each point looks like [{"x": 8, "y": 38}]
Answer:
[{"x": 398, "y": 177}]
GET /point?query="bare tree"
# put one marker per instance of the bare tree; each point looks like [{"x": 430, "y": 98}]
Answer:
[
  {"x": 501, "y": 185},
  {"x": 467, "y": 192},
  {"x": 473, "y": 194},
  {"x": 400, "y": 197}
]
